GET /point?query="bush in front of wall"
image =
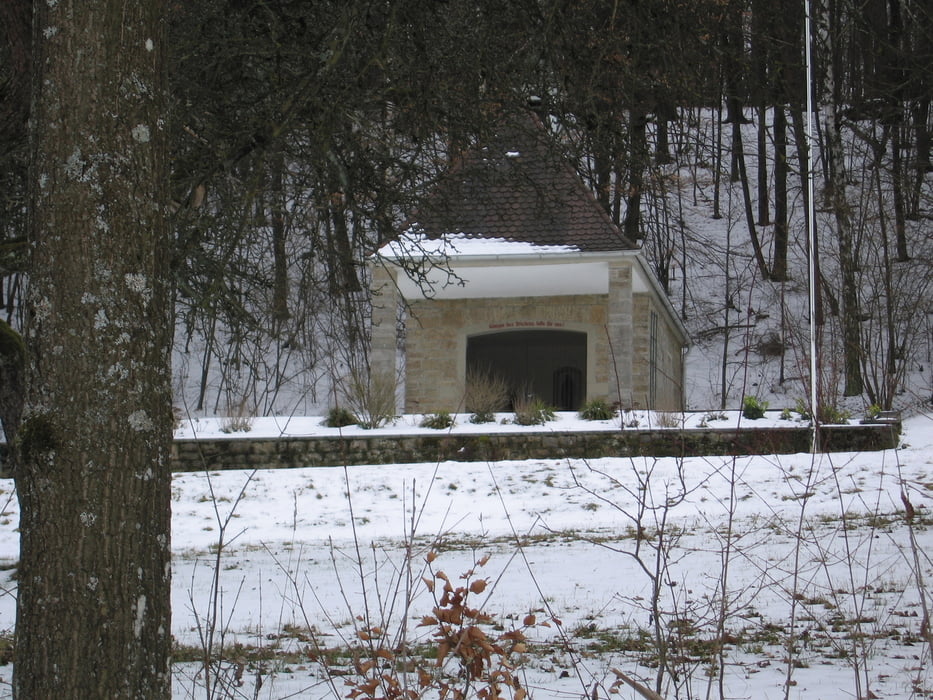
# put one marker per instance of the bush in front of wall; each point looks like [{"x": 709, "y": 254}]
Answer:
[
  {"x": 532, "y": 412},
  {"x": 486, "y": 393},
  {"x": 834, "y": 415},
  {"x": 370, "y": 396},
  {"x": 438, "y": 421},
  {"x": 753, "y": 408},
  {"x": 598, "y": 409},
  {"x": 339, "y": 417},
  {"x": 239, "y": 418},
  {"x": 802, "y": 409}
]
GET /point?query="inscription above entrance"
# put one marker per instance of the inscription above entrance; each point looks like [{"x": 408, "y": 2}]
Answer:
[{"x": 525, "y": 324}]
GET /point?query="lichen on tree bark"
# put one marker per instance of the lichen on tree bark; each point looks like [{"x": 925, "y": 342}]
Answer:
[{"x": 93, "y": 616}]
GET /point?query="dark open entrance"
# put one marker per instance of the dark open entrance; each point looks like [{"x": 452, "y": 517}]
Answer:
[{"x": 550, "y": 365}]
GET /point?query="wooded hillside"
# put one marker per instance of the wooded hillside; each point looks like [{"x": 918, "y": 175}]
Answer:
[{"x": 302, "y": 134}]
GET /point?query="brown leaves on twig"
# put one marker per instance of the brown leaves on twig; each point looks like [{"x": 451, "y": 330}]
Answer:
[{"x": 470, "y": 659}]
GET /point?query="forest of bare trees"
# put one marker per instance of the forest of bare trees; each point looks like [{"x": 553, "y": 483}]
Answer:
[
  {"x": 302, "y": 135},
  {"x": 297, "y": 135},
  {"x": 283, "y": 191}
]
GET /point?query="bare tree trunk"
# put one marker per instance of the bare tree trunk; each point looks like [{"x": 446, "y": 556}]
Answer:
[
  {"x": 848, "y": 264},
  {"x": 638, "y": 155},
  {"x": 280, "y": 312},
  {"x": 836, "y": 191},
  {"x": 923, "y": 164},
  {"x": 779, "y": 256},
  {"x": 93, "y": 614},
  {"x": 717, "y": 163},
  {"x": 603, "y": 165},
  {"x": 898, "y": 178},
  {"x": 665, "y": 113},
  {"x": 805, "y": 162},
  {"x": 764, "y": 212},
  {"x": 738, "y": 154},
  {"x": 895, "y": 77}
]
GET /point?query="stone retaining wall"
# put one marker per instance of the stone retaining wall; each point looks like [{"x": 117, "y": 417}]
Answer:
[{"x": 284, "y": 453}]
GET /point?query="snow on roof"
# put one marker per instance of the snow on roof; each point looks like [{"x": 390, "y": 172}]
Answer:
[{"x": 416, "y": 244}]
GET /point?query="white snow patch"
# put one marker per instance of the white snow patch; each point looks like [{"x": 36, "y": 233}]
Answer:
[{"x": 416, "y": 244}]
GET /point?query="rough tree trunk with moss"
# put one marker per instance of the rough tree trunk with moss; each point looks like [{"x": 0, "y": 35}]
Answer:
[{"x": 93, "y": 618}]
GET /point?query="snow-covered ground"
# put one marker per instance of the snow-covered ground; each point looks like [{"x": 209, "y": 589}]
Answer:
[
  {"x": 306, "y": 426},
  {"x": 312, "y": 556}
]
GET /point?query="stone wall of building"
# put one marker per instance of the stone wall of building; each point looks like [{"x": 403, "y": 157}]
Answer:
[
  {"x": 437, "y": 332},
  {"x": 617, "y": 325},
  {"x": 622, "y": 332},
  {"x": 383, "y": 347},
  {"x": 668, "y": 366}
]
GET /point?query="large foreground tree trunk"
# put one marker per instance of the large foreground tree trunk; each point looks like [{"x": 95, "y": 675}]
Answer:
[{"x": 93, "y": 618}]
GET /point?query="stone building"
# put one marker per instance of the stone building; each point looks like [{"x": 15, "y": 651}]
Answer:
[{"x": 511, "y": 267}]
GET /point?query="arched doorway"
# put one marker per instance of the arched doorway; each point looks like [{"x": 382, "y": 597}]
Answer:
[{"x": 548, "y": 364}]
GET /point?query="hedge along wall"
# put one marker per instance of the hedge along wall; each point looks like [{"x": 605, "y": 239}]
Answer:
[{"x": 284, "y": 453}]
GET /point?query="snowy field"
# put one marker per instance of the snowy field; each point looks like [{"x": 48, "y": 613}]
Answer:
[{"x": 334, "y": 558}]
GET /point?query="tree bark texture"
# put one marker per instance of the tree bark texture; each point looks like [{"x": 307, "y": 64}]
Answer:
[
  {"x": 781, "y": 233},
  {"x": 93, "y": 479}
]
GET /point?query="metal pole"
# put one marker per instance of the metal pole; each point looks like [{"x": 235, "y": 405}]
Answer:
[{"x": 811, "y": 228}]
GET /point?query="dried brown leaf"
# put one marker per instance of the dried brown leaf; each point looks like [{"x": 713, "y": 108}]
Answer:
[
  {"x": 478, "y": 586},
  {"x": 443, "y": 649}
]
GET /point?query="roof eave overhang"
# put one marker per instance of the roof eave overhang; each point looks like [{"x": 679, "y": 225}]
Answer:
[
  {"x": 523, "y": 258},
  {"x": 554, "y": 257}
]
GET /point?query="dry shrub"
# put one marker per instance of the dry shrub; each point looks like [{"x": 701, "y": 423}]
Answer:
[
  {"x": 475, "y": 655},
  {"x": 668, "y": 420},
  {"x": 239, "y": 418},
  {"x": 370, "y": 396},
  {"x": 485, "y": 395},
  {"x": 532, "y": 411}
]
